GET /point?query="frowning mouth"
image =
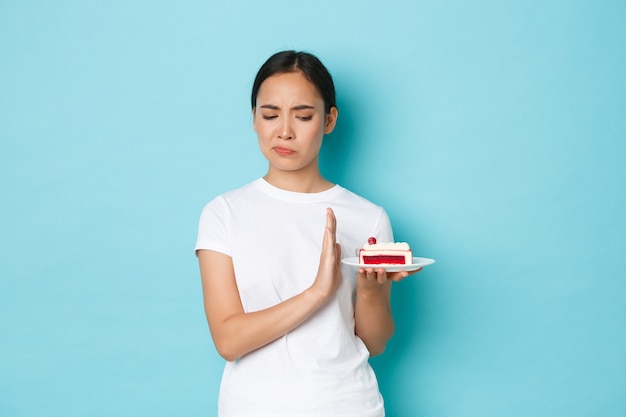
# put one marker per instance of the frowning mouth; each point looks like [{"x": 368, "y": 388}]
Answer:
[{"x": 283, "y": 151}]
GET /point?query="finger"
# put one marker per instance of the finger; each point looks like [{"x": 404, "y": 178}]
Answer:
[
  {"x": 415, "y": 272},
  {"x": 328, "y": 241},
  {"x": 408, "y": 273},
  {"x": 338, "y": 251},
  {"x": 331, "y": 220},
  {"x": 399, "y": 276},
  {"x": 361, "y": 274},
  {"x": 381, "y": 276},
  {"x": 370, "y": 274}
]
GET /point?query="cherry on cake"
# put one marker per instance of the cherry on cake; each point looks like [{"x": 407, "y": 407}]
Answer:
[{"x": 385, "y": 253}]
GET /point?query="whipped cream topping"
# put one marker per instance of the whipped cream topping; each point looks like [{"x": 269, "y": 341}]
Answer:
[{"x": 387, "y": 246}]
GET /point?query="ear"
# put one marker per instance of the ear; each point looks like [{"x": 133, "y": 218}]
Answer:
[
  {"x": 331, "y": 120},
  {"x": 254, "y": 119}
]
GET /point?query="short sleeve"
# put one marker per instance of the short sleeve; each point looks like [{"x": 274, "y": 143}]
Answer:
[{"x": 213, "y": 227}]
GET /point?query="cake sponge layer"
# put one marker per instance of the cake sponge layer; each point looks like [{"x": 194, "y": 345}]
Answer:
[{"x": 379, "y": 257}]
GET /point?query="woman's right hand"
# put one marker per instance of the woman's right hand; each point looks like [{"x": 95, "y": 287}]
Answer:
[
  {"x": 236, "y": 332},
  {"x": 328, "y": 275}
]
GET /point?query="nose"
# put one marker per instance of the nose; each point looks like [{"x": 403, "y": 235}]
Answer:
[{"x": 286, "y": 131}]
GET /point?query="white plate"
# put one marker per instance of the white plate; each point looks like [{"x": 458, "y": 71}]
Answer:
[{"x": 417, "y": 264}]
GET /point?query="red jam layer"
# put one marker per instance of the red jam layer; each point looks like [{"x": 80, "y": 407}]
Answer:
[{"x": 383, "y": 259}]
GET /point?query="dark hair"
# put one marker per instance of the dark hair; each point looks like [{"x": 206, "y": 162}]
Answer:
[{"x": 294, "y": 61}]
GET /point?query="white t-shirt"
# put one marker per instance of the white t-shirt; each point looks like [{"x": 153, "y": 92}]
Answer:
[{"x": 274, "y": 238}]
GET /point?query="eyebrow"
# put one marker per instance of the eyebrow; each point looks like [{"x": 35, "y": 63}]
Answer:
[{"x": 298, "y": 107}]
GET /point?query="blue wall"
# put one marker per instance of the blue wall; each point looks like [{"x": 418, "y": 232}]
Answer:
[{"x": 493, "y": 132}]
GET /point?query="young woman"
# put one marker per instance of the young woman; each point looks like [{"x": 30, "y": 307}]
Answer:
[{"x": 295, "y": 326}]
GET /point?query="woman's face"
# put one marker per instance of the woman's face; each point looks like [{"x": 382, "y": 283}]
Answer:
[{"x": 290, "y": 122}]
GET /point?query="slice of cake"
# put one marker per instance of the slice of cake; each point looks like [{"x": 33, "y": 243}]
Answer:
[{"x": 389, "y": 253}]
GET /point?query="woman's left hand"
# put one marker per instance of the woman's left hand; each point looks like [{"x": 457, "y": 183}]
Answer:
[{"x": 378, "y": 276}]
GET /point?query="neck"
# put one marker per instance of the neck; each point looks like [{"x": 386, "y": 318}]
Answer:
[{"x": 297, "y": 181}]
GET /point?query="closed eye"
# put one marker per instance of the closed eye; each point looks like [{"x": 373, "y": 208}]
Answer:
[{"x": 269, "y": 117}]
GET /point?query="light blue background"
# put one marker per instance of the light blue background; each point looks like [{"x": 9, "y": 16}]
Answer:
[{"x": 493, "y": 132}]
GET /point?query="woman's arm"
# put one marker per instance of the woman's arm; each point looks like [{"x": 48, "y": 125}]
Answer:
[
  {"x": 235, "y": 332},
  {"x": 372, "y": 311}
]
